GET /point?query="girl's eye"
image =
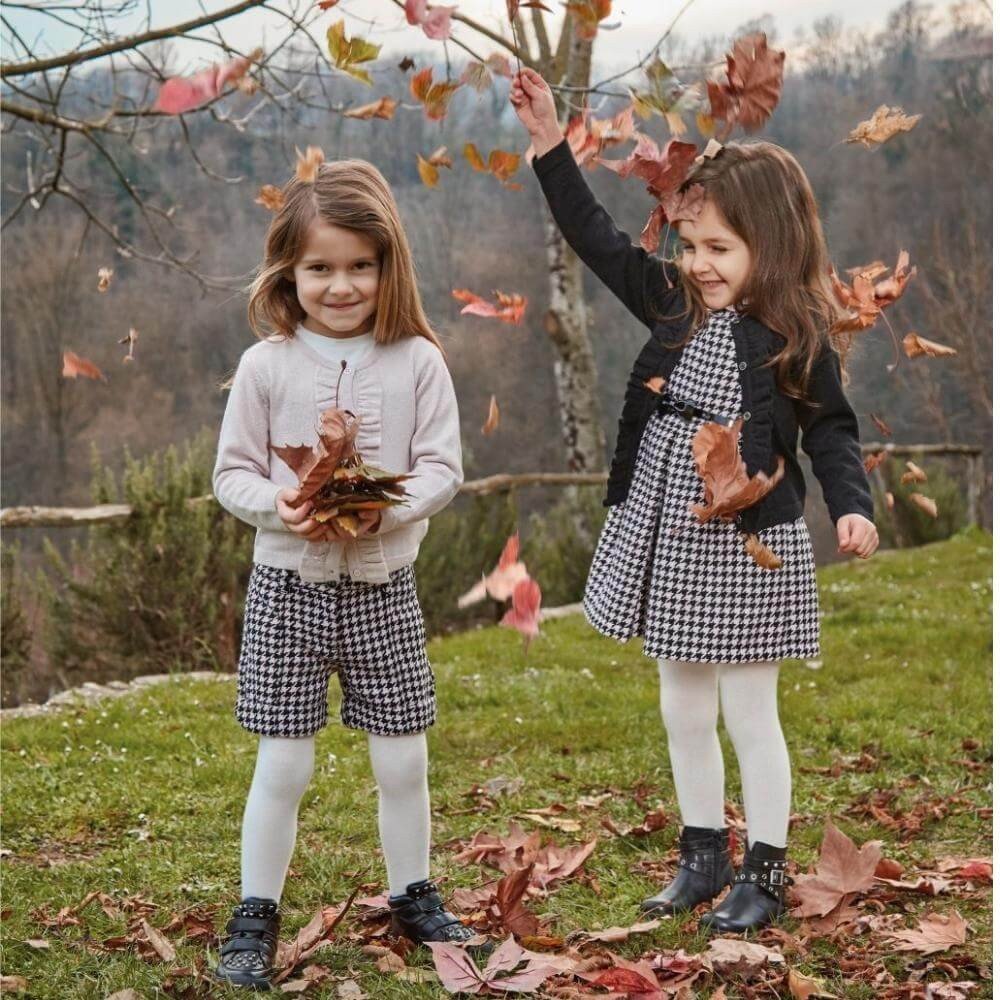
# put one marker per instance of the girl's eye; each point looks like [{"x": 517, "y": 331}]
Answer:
[
  {"x": 687, "y": 249},
  {"x": 316, "y": 267},
  {"x": 720, "y": 249}
]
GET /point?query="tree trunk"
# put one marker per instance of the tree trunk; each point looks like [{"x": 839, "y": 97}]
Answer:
[{"x": 567, "y": 318}]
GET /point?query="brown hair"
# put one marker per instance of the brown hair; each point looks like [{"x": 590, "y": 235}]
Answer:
[
  {"x": 765, "y": 197},
  {"x": 354, "y": 195}
]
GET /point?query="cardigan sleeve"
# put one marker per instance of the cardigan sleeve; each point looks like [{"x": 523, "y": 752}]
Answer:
[
  {"x": 636, "y": 277},
  {"x": 436, "y": 445},
  {"x": 831, "y": 439},
  {"x": 241, "y": 478}
]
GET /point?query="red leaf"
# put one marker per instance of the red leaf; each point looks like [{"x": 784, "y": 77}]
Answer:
[
  {"x": 752, "y": 89},
  {"x": 525, "y": 611},
  {"x": 509, "y": 308},
  {"x": 74, "y": 365},
  {"x": 185, "y": 93}
]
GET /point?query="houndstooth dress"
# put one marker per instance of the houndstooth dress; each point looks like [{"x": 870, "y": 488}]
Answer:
[{"x": 689, "y": 589}]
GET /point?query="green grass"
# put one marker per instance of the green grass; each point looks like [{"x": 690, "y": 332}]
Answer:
[{"x": 144, "y": 794}]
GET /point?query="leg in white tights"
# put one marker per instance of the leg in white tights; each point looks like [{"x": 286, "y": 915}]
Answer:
[
  {"x": 689, "y": 703},
  {"x": 399, "y": 764},
  {"x": 284, "y": 767},
  {"x": 750, "y": 710}
]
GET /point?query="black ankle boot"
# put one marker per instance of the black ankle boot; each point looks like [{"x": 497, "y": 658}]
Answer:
[
  {"x": 246, "y": 957},
  {"x": 703, "y": 872},
  {"x": 758, "y": 894},
  {"x": 419, "y": 915}
]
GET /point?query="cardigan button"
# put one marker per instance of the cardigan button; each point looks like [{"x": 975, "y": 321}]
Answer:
[
  {"x": 746, "y": 414},
  {"x": 742, "y": 365}
]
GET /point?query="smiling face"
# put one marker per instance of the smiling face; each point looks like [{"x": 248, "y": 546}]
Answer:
[
  {"x": 714, "y": 258},
  {"x": 336, "y": 280}
]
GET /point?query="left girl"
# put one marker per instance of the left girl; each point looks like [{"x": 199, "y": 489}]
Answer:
[{"x": 336, "y": 307}]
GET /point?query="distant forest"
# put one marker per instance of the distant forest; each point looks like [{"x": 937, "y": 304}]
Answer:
[{"x": 928, "y": 191}]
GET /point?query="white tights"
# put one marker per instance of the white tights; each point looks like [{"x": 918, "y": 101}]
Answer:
[
  {"x": 689, "y": 702},
  {"x": 284, "y": 768}
]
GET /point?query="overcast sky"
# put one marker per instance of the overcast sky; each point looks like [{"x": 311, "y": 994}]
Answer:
[{"x": 640, "y": 22}]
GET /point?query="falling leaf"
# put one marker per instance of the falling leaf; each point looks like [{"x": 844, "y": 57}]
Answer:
[
  {"x": 348, "y": 53},
  {"x": 890, "y": 500},
  {"x": 875, "y": 459},
  {"x": 406, "y": 64},
  {"x": 185, "y": 93},
  {"x": 843, "y": 870},
  {"x": 883, "y": 124},
  {"x": 327, "y": 4},
  {"x": 926, "y": 504},
  {"x": 752, "y": 88},
  {"x": 664, "y": 172},
  {"x": 509, "y": 308},
  {"x": 882, "y": 426},
  {"x": 526, "y": 607},
  {"x": 74, "y": 365},
  {"x": 435, "y": 21},
  {"x": 384, "y": 107},
  {"x": 501, "y": 581},
  {"x": 913, "y": 474},
  {"x": 493, "y": 418},
  {"x": 933, "y": 933},
  {"x": 270, "y": 197},
  {"x": 428, "y": 169},
  {"x": 914, "y": 345},
  {"x": 477, "y": 75},
  {"x": 435, "y": 97},
  {"x": 588, "y": 14},
  {"x": 104, "y": 278},
  {"x": 307, "y": 164},
  {"x": 728, "y": 489},
  {"x": 130, "y": 338},
  {"x": 499, "y": 64},
  {"x": 501, "y": 165},
  {"x": 588, "y": 136},
  {"x": 761, "y": 554}
]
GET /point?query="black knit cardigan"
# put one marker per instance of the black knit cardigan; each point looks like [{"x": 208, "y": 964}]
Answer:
[{"x": 647, "y": 285}]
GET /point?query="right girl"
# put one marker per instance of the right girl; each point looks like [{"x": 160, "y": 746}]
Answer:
[{"x": 740, "y": 329}]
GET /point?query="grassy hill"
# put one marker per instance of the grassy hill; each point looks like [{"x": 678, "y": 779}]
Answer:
[{"x": 143, "y": 795}]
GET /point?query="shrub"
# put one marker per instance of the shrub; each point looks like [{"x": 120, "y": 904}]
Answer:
[
  {"x": 162, "y": 591},
  {"x": 15, "y": 631},
  {"x": 906, "y": 525}
]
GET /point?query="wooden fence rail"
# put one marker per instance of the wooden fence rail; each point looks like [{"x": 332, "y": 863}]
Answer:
[{"x": 67, "y": 517}]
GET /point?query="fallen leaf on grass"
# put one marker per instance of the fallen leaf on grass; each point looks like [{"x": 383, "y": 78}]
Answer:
[
  {"x": 802, "y": 987},
  {"x": 843, "y": 870},
  {"x": 613, "y": 935},
  {"x": 162, "y": 946},
  {"x": 510, "y": 968},
  {"x": 740, "y": 958},
  {"x": 933, "y": 933}
]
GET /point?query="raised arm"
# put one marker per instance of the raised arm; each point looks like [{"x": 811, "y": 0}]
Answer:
[{"x": 635, "y": 276}]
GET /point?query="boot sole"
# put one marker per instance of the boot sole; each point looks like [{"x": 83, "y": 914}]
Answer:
[{"x": 242, "y": 979}]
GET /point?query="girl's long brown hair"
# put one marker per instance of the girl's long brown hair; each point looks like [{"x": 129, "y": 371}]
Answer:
[
  {"x": 765, "y": 197},
  {"x": 354, "y": 195}
]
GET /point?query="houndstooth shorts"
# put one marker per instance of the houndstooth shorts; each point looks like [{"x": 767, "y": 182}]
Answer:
[{"x": 296, "y": 634}]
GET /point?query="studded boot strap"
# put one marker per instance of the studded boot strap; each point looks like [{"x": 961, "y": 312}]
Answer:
[{"x": 767, "y": 875}]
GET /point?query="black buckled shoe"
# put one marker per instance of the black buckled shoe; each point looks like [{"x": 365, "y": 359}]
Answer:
[
  {"x": 703, "y": 871},
  {"x": 420, "y": 915},
  {"x": 246, "y": 957},
  {"x": 758, "y": 894}
]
